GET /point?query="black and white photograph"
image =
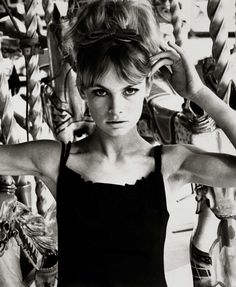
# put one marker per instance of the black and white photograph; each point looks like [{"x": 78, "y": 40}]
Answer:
[{"x": 117, "y": 143}]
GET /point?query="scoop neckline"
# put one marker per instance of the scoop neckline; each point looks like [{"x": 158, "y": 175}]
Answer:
[
  {"x": 90, "y": 182},
  {"x": 138, "y": 181}
]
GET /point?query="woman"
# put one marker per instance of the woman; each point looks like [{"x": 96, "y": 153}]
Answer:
[{"x": 112, "y": 220}]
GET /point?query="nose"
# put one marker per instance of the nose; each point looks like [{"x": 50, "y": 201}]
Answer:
[{"x": 116, "y": 107}]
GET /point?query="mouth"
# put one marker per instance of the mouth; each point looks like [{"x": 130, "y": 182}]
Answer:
[{"x": 116, "y": 124}]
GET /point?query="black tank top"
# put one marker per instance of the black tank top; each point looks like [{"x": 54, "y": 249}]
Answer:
[{"x": 108, "y": 234}]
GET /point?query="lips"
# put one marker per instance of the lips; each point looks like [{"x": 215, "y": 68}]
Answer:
[{"x": 116, "y": 122}]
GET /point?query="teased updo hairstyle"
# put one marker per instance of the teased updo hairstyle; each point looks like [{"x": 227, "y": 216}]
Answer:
[{"x": 131, "y": 59}]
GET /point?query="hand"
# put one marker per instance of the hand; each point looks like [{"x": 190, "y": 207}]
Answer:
[{"x": 184, "y": 77}]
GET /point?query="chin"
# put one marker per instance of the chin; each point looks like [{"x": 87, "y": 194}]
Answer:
[{"x": 117, "y": 133}]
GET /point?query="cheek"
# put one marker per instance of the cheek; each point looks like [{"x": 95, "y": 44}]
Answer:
[
  {"x": 135, "y": 110},
  {"x": 97, "y": 108},
  {"x": 138, "y": 104}
]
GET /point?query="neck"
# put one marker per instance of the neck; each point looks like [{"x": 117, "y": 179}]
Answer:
[{"x": 114, "y": 147}]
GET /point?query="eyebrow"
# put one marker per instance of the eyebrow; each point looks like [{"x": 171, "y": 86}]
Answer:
[
  {"x": 99, "y": 86},
  {"x": 103, "y": 87}
]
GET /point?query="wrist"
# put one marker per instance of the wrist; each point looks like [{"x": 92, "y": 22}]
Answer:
[{"x": 200, "y": 95}]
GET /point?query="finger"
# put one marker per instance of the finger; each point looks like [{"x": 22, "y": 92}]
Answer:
[
  {"x": 167, "y": 54},
  {"x": 176, "y": 48},
  {"x": 187, "y": 61},
  {"x": 162, "y": 62},
  {"x": 182, "y": 54}
]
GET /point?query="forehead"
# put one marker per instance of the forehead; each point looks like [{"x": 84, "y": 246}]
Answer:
[{"x": 111, "y": 79}]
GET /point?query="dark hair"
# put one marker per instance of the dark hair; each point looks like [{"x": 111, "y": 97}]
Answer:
[
  {"x": 131, "y": 62},
  {"x": 131, "y": 59}
]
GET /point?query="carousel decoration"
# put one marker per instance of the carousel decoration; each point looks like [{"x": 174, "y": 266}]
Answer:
[
  {"x": 33, "y": 233},
  {"x": 30, "y": 48},
  {"x": 177, "y": 22},
  {"x": 55, "y": 101},
  {"x": 36, "y": 242},
  {"x": 67, "y": 108},
  {"x": 10, "y": 130},
  {"x": 225, "y": 205},
  {"x": 193, "y": 125},
  {"x": 220, "y": 50}
]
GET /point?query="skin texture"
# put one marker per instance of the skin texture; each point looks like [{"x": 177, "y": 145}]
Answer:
[
  {"x": 111, "y": 100},
  {"x": 115, "y": 152}
]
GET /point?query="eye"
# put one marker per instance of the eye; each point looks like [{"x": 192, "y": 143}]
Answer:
[
  {"x": 100, "y": 92},
  {"x": 130, "y": 91}
]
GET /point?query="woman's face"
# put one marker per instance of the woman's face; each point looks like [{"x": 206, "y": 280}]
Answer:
[{"x": 115, "y": 104}]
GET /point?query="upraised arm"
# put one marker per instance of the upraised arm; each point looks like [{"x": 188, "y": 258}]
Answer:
[
  {"x": 188, "y": 164},
  {"x": 187, "y": 83},
  {"x": 224, "y": 115},
  {"x": 37, "y": 158}
]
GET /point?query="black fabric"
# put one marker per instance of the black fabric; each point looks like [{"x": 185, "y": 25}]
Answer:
[{"x": 111, "y": 235}]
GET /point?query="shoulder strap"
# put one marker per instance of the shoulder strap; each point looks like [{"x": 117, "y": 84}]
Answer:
[
  {"x": 157, "y": 157},
  {"x": 65, "y": 151}
]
